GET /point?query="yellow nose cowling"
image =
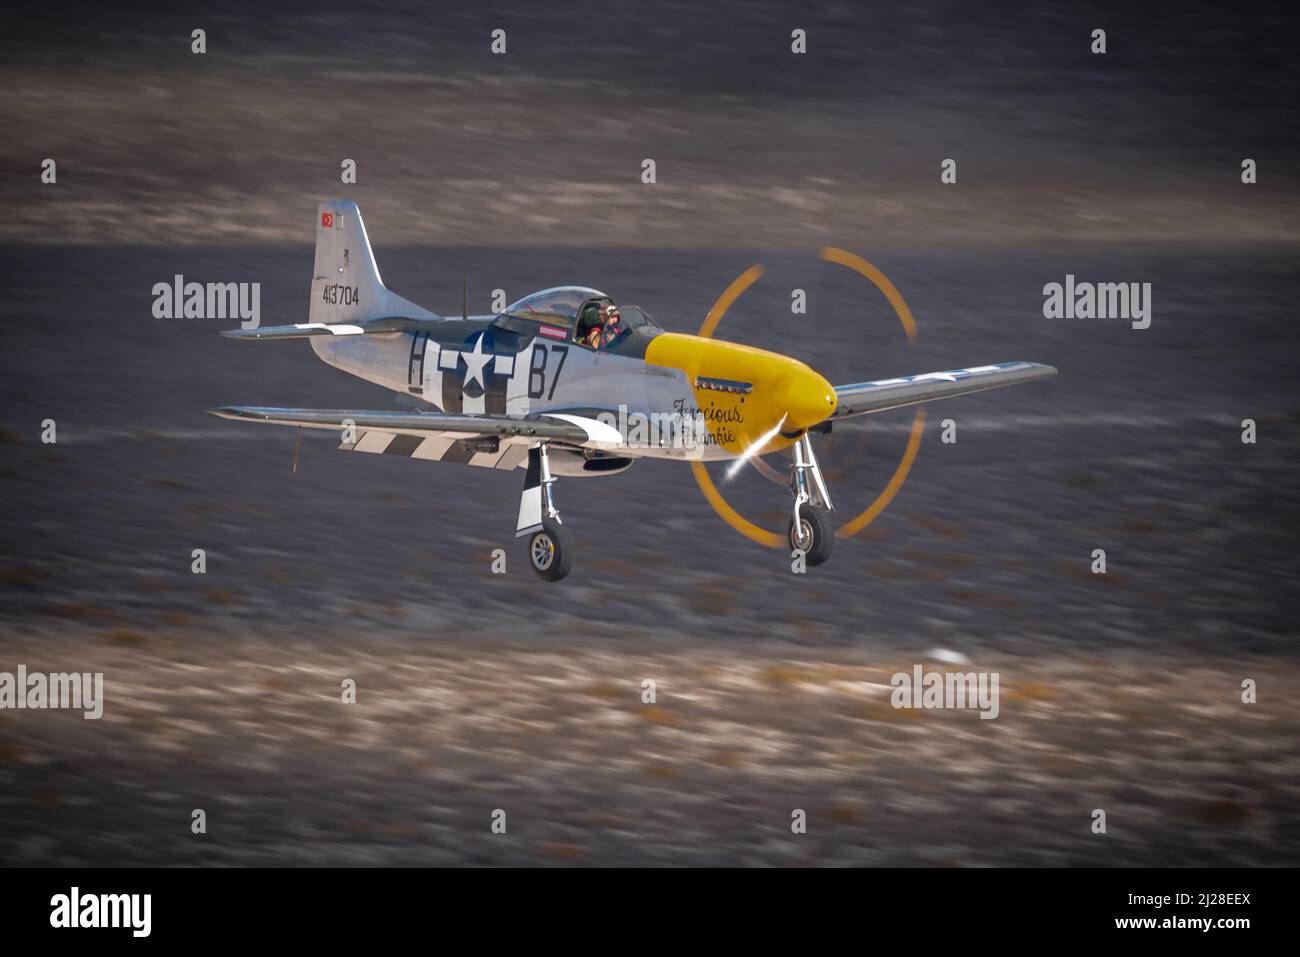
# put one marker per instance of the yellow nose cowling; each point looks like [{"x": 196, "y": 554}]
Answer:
[
  {"x": 805, "y": 398},
  {"x": 781, "y": 387}
]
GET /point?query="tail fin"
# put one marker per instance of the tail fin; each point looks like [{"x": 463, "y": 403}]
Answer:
[{"x": 346, "y": 286}]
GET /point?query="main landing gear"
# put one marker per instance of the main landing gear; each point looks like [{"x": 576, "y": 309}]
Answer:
[
  {"x": 550, "y": 544},
  {"x": 810, "y": 530}
]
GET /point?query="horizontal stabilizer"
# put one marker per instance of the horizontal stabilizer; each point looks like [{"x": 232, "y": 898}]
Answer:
[{"x": 305, "y": 330}]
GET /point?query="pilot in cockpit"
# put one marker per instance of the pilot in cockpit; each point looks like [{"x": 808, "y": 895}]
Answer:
[
  {"x": 612, "y": 327},
  {"x": 599, "y": 325}
]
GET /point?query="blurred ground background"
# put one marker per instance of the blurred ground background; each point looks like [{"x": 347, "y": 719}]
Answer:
[{"x": 479, "y": 691}]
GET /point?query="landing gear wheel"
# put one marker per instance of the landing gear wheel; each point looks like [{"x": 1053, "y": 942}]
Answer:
[
  {"x": 815, "y": 536},
  {"x": 550, "y": 550}
]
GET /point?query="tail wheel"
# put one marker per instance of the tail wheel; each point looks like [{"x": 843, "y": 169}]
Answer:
[
  {"x": 550, "y": 550},
  {"x": 815, "y": 536}
]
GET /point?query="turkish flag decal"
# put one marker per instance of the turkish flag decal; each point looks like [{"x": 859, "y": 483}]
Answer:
[{"x": 327, "y": 220}]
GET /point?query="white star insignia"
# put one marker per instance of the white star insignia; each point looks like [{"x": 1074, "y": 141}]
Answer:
[{"x": 474, "y": 363}]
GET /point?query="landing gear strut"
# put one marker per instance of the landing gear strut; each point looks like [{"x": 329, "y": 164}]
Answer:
[
  {"x": 550, "y": 545},
  {"x": 810, "y": 529}
]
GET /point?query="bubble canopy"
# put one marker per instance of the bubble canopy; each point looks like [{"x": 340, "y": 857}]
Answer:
[{"x": 560, "y": 302}]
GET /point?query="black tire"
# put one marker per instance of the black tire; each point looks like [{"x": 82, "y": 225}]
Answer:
[
  {"x": 550, "y": 551},
  {"x": 814, "y": 522}
]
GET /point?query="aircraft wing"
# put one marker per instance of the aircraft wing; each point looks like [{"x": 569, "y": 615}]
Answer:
[
  {"x": 492, "y": 441},
  {"x": 864, "y": 397}
]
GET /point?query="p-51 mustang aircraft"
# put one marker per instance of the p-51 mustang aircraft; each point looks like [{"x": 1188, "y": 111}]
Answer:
[{"x": 565, "y": 382}]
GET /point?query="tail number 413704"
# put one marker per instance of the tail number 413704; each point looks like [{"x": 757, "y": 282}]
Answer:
[{"x": 337, "y": 294}]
